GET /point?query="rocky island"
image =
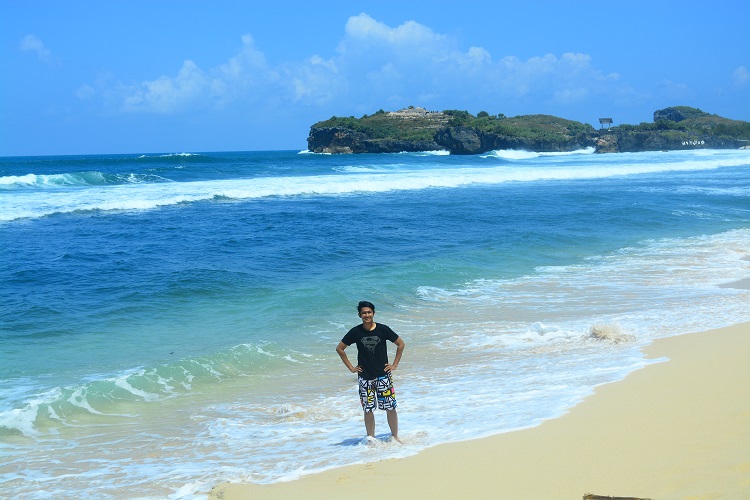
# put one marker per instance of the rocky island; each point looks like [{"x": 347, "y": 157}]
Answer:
[{"x": 459, "y": 132}]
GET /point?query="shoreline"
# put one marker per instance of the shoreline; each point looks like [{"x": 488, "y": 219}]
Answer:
[{"x": 673, "y": 429}]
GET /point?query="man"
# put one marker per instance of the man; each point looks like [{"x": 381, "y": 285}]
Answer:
[{"x": 374, "y": 371}]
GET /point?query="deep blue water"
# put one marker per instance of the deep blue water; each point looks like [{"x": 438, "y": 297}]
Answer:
[{"x": 210, "y": 284}]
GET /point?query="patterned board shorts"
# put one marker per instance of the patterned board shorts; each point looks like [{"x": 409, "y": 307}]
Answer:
[{"x": 380, "y": 389}]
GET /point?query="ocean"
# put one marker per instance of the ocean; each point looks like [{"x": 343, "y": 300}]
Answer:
[{"x": 169, "y": 321}]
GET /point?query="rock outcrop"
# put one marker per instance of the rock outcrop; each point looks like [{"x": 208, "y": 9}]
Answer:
[
  {"x": 677, "y": 114},
  {"x": 629, "y": 141},
  {"x": 416, "y": 129},
  {"x": 468, "y": 140},
  {"x": 462, "y": 140},
  {"x": 334, "y": 140}
]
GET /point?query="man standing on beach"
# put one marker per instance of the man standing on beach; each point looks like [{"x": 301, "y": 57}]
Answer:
[{"x": 374, "y": 371}]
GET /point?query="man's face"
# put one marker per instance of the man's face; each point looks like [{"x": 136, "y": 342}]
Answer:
[{"x": 366, "y": 314}]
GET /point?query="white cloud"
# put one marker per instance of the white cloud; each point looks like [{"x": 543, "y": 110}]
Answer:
[
  {"x": 314, "y": 81},
  {"x": 32, "y": 43},
  {"x": 676, "y": 91},
  {"x": 478, "y": 56},
  {"x": 571, "y": 96},
  {"x": 741, "y": 76},
  {"x": 85, "y": 92},
  {"x": 411, "y": 62},
  {"x": 244, "y": 76},
  {"x": 249, "y": 66},
  {"x": 167, "y": 94},
  {"x": 374, "y": 65},
  {"x": 363, "y": 27},
  {"x": 581, "y": 61}
]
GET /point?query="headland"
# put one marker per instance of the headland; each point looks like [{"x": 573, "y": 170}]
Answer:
[{"x": 459, "y": 132}]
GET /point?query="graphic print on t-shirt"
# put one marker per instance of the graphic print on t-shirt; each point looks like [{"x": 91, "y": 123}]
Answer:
[{"x": 371, "y": 343}]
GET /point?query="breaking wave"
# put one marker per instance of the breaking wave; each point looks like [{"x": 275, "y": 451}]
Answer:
[
  {"x": 108, "y": 396},
  {"x": 83, "y": 179},
  {"x": 143, "y": 191}
]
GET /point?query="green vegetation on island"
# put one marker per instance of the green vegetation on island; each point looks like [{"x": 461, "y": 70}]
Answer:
[
  {"x": 687, "y": 119},
  {"x": 422, "y": 127},
  {"x": 460, "y": 132},
  {"x": 532, "y": 128},
  {"x": 383, "y": 125}
]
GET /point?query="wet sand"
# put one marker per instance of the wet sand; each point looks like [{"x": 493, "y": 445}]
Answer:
[{"x": 674, "y": 429}]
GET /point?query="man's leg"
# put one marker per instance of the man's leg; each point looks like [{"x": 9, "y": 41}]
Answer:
[
  {"x": 367, "y": 397},
  {"x": 370, "y": 423},
  {"x": 393, "y": 423}
]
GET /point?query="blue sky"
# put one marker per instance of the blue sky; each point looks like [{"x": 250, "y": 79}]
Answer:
[{"x": 136, "y": 76}]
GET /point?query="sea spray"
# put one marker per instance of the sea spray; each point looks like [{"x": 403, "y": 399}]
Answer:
[{"x": 610, "y": 333}]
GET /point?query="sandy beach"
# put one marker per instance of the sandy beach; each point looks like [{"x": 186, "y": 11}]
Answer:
[{"x": 674, "y": 429}]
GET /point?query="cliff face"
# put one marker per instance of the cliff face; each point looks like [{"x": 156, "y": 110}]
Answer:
[
  {"x": 676, "y": 128},
  {"x": 457, "y": 140},
  {"x": 343, "y": 140},
  {"x": 410, "y": 129},
  {"x": 467, "y": 141},
  {"x": 462, "y": 140},
  {"x": 619, "y": 141},
  {"x": 416, "y": 129}
]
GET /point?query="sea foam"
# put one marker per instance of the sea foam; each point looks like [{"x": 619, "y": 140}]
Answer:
[{"x": 146, "y": 194}]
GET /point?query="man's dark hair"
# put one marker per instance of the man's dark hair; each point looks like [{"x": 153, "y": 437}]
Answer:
[{"x": 364, "y": 303}]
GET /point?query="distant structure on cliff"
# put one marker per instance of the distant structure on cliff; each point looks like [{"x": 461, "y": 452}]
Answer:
[
  {"x": 602, "y": 121},
  {"x": 435, "y": 119}
]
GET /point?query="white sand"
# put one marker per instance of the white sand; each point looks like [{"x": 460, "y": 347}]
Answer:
[{"x": 678, "y": 429}]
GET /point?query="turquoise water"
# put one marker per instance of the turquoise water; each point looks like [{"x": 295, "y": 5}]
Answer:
[{"x": 169, "y": 321}]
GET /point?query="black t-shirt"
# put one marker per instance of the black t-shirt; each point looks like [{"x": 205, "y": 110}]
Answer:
[{"x": 372, "y": 351}]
